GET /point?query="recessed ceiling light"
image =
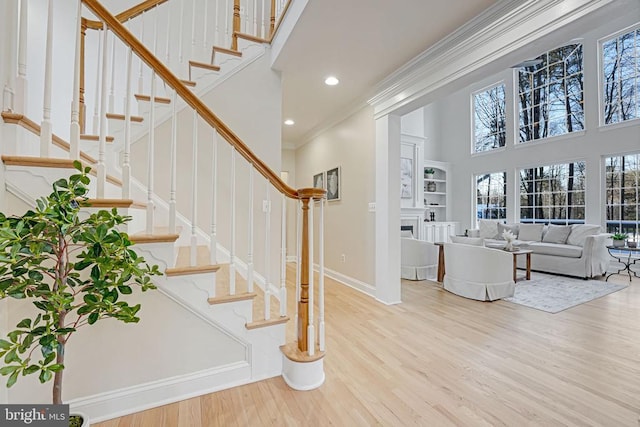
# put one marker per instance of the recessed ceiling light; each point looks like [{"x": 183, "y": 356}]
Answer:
[
  {"x": 289, "y": 122},
  {"x": 331, "y": 81}
]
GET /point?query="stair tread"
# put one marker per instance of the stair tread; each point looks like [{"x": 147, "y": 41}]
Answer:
[
  {"x": 116, "y": 203},
  {"x": 157, "y": 99},
  {"x": 153, "y": 238},
  {"x": 87, "y": 137},
  {"x": 249, "y": 37},
  {"x": 204, "y": 65},
  {"x": 115, "y": 116},
  {"x": 227, "y": 51},
  {"x": 50, "y": 162},
  {"x": 188, "y": 83},
  {"x": 192, "y": 269},
  {"x": 267, "y": 322},
  {"x": 231, "y": 298}
]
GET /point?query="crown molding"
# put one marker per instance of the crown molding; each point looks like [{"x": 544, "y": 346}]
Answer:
[{"x": 498, "y": 31}]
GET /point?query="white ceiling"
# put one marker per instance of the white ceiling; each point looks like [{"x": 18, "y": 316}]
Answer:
[{"x": 360, "y": 42}]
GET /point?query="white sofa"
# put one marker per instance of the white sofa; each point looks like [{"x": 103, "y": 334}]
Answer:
[
  {"x": 574, "y": 250},
  {"x": 478, "y": 272},
  {"x": 418, "y": 259}
]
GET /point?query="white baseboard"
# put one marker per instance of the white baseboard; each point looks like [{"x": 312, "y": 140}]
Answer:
[
  {"x": 356, "y": 284},
  {"x": 138, "y": 398}
]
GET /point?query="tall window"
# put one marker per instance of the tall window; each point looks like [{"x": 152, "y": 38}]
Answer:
[
  {"x": 621, "y": 77},
  {"x": 491, "y": 195},
  {"x": 553, "y": 194},
  {"x": 488, "y": 119},
  {"x": 623, "y": 194},
  {"x": 551, "y": 94}
]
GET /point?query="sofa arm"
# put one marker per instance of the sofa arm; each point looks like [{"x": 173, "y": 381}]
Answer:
[{"x": 596, "y": 254}]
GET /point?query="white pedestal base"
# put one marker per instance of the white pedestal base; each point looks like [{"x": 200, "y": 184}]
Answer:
[{"x": 303, "y": 375}]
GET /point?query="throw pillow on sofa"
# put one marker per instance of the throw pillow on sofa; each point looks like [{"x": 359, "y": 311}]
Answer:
[
  {"x": 514, "y": 228},
  {"x": 557, "y": 234},
  {"x": 473, "y": 241},
  {"x": 579, "y": 233},
  {"x": 488, "y": 229},
  {"x": 530, "y": 232}
]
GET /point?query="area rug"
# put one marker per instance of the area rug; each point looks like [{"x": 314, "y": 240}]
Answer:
[{"x": 557, "y": 293}]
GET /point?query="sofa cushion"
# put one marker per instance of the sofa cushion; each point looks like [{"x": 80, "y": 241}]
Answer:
[
  {"x": 500, "y": 244},
  {"x": 556, "y": 249},
  {"x": 488, "y": 229},
  {"x": 557, "y": 234},
  {"x": 474, "y": 241},
  {"x": 514, "y": 228},
  {"x": 530, "y": 232},
  {"x": 579, "y": 233}
]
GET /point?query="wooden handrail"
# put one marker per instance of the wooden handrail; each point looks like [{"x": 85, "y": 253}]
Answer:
[
  {"x": 194, "y": 102},
  {"x": 128, "y": 14}
]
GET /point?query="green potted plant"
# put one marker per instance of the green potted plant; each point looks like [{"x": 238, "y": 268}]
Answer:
[
  {"x": 73, "y": 270},
  {"x": 428, "y": 173},
  {"x": 619, "y": 239}
]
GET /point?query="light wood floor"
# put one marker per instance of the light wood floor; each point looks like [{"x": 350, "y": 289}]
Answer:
[{"x": 438, "y": 359}]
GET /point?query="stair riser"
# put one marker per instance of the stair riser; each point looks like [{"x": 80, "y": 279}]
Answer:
[{"x": 136, "y": 225}]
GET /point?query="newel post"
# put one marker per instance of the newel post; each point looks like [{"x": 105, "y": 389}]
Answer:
[
  {"x": 236, "y": 24},
  {"x": 302, "y": 321}
]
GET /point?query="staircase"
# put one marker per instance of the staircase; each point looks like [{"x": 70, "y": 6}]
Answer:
[{"x": 203, "y": 206}]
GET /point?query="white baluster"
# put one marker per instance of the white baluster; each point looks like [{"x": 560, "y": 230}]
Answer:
[
  {"x": 126, "y": 164},
  {"x": 264, "y": 21},
  {"x": 216, "y": 39},
  {"x": 180, "y": 31},
  {"x": 232, "y": 246},
  {"x": 193, "y": 28},
  {"x": 12, "y": 66},
  {"x": 227, "y": 23},
  {"x": 173, "y": 172},
  {"x": 74, "y": 133},
  {"x": 250, "y": 252},
  {"x": 167, "y": 46},
  {"x": 112, "y": 95},
  {"x": 101, "y": 168},
  {"x": 213, "y": 248},
  {"x": 205, "y": 25},
  {"x": 311, "y": 335},
  {"x": 46, "y": 131},
  {"x": 194, "y": 191},
  {"x": 96, "y": 103},
  {"x": 20, "y": 90},
  {"x": 321, "y": 341},
  {"x": 255, "y": 17},
  {"x": 267, "y": 257},
  {"x": 283, "y": 258},
  {"x": 151, "y": 157},
  {"x": 141, "y": 69}
]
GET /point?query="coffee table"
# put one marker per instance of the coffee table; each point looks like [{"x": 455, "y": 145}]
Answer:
[{"x": 626, "y": 260}]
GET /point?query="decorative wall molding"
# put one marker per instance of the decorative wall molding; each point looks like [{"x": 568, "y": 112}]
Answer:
[{"x": 500, "y": 30}]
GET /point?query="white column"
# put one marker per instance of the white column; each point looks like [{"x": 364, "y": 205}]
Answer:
[
  {"x": 194, "y": 191},
  {"x": 267, "y": 255},
  {"x": 46, "y": 132},
  {"x": 173, "y": 167},
  {"x": 321, "y": 341},
  {"x": 213, "y": 248},
  {"x": 126, "y": 165},
  {"x": 387, "y": 220},
  {"x": 283, "y": 258},
  {"x": 250, "y": 251},
  {"x": 101, "y": 168},
  {"x": 311, "y": 334},
  {"x": 74, "y": 143},
  {"x": 20, "y": 90}
]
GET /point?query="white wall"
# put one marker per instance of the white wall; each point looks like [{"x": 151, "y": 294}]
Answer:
[
  {"x": 589, "y": 146},
  {"x": 349, "y": 227},
  {"x": 289, "y": 166}
]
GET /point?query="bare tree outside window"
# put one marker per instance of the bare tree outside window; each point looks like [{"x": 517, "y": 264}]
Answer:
[
  {"x": 489, "y": 119},
  {"x": 551, "y": 94},
  {"x": 621, "y": 77},
  {"x": 491, "y": 191},
  {"x": 622, "y": 180}
]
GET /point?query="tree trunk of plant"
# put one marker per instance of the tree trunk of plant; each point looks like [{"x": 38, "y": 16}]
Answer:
[{"x": 57, "y": 378}]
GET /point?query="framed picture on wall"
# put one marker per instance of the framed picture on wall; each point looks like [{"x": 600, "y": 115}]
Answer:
[
  {"x": 334, "y": 184},
  {"x": 318, "y": 180},
  {"x": 406, "y": 178}
]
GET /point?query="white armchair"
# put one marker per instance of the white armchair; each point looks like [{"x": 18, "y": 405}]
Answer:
[
  {"x": 478, "y": 272},
  {"x": 418, "y": 259}
]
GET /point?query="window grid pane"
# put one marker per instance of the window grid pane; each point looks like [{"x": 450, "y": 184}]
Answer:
[
  {"x": 553, "y": 194},
  {"x": 622, "y": 184},
  {"x": 489, "y": 119},
  {"x": 491, "y": 200},
  {"x": 621, "y": 77}
]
